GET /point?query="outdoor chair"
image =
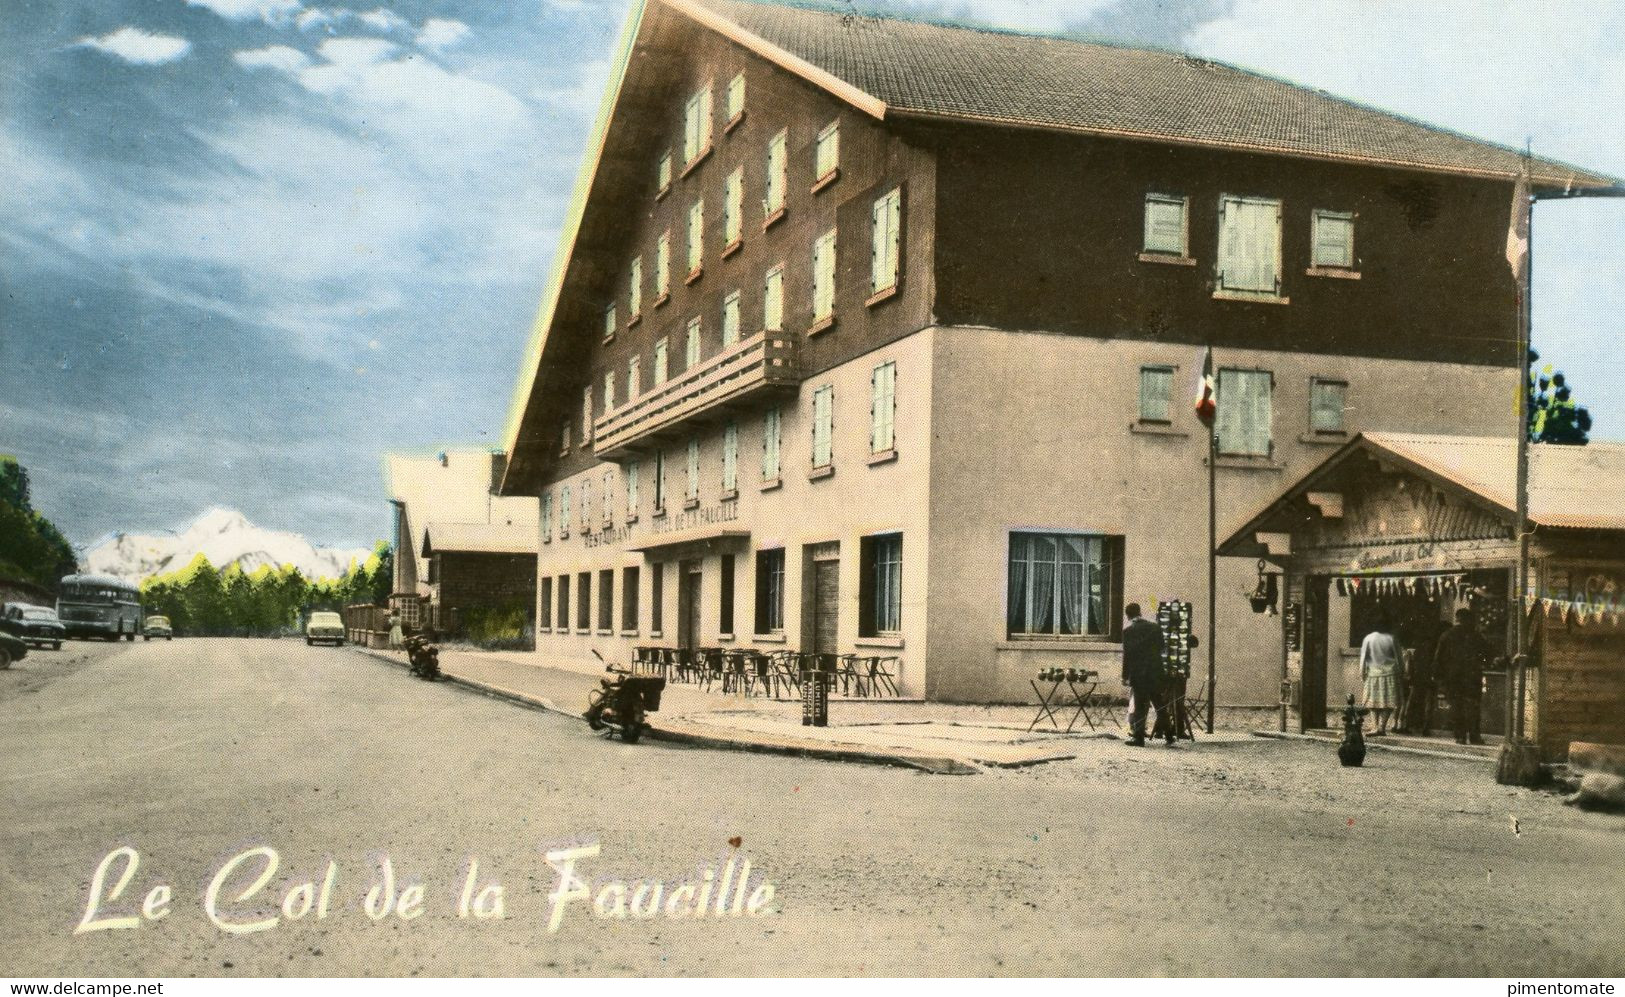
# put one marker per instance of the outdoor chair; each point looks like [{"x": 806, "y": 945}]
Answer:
[{"x": 1196, "y": 705}]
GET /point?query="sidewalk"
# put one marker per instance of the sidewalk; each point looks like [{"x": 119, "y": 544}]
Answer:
[{"x": 933, "y": 737}]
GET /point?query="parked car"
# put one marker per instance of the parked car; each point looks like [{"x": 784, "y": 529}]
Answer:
[
  {"x": 38, "y": 625},
  {"x": 158, "y": 626},
  {"x": 11, "y": 649},
  {"x": 325, "y": 628}
]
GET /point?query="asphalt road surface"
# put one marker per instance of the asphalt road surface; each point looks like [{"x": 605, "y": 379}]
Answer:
[{"x": 1244, "y": 859}]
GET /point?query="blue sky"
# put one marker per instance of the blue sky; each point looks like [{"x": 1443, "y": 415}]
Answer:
[{"x": 249, "y": 245}]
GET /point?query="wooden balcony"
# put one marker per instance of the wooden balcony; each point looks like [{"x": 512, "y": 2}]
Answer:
[{"x": 757, "y": 367}]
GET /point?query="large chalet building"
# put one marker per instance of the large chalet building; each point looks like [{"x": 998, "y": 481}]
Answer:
[{"x": 880, "y": 336}]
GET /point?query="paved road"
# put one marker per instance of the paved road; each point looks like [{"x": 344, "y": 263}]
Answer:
[{"x": 1244, "y": 859}]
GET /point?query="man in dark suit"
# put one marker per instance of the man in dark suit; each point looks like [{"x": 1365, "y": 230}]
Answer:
[
  {"x": 1142, "y": 671},
  {"x": 1459, "y": 661}
]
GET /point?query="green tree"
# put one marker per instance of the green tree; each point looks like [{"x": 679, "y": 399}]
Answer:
[
  {"x": 1554, "y": 415},
  {"x": 32, "y": 549}
]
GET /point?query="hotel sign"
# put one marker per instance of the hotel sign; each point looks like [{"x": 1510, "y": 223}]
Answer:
[{"x": 722, "y": 512}]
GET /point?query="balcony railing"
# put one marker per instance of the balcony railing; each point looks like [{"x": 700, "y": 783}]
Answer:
[{"x": 760, "y": 365}]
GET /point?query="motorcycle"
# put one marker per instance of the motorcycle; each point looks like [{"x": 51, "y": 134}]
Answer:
[
  {"x": 622, "y": 701},
  {"x": 423, "y": 656}
]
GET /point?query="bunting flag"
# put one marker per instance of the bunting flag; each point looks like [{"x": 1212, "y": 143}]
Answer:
[
  {"x": 1206, "y": 402},
  {"x": 1518, "y": 228}
]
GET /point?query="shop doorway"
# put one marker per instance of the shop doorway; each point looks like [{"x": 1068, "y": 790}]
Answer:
[
  {"x": 822, "y": 602},
  {"x": 689, "y": 580},
  {"x": 1316, "y": 611}
]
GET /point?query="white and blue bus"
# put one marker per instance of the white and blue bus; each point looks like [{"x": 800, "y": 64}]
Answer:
[{"x": 99, "y": 606}]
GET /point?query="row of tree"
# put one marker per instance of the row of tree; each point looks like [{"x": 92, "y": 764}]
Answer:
[
  {"x": 202, "y": 600},
  {"x": 32, "y": 549}
]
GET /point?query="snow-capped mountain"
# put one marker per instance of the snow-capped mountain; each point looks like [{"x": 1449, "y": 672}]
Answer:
[{"x": 225, "y": 537}]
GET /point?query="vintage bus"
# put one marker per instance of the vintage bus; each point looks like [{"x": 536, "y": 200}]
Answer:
[{"x": 99, "y": 606}]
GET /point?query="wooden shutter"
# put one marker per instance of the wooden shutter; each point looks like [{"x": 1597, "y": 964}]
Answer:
[
  {"x": 773, "y": 195},
  {"x": 1333, "y": 239},
  {"x": 824, "y": 276},
  {"x": 634, "y": 287},
  {"x": 882, "y": 407},
  {"x": 886, "y": 222},
  {"x": 773, "y": 300},
  {"x": 696, "y": 235},
  {"x": 1165, "y": 224},
  {"x": 730, "y": 457},
  {"x": 634, "y": 378},
  {"x": 632, "y": 470},
  {"x": 770, "y": 444},
  {"x": 693, "y": 468},
  {"x": 1250, "y": 245},
  {"x": 662, "y": 364},
  {"x": 663, "y": 263},
  {"x": 730, "y": 319},
  {"x": 733, "y": 206}
]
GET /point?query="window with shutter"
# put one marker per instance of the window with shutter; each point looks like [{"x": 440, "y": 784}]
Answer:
[
  {"x": 634, "y": 288},
  {"x": 823, "y": 430},
  {"x": 736, "y": 98},
  {"x": 693, "y": 493},
  {"x": 827, "y": 151},
  {"x": 691, "y": 345},
  {"x": 1156, "y": 394},
  {"x": 1249, "y": 259},
  {"x": 1243, "y": 416},
  {"x": 609, "y": 495},
  {"x": 586, "y": 415},
  {"x": 885, "y": 243},
  {"x": 632, "y": 470},
  {"x": 564, "y": 447},
  {"x": 730, "y": 458},
  {"x": 697, "y": 125},
  {"x": 770, "y": 444},
  {"x": 733, "y": 207},
  {"x": 882, "y": 407},
  {"x": 1326, "y": 406},
  {"x": 777, "y": 161},
  {"x": 634, "y": 378},
  {"x": 824, "y": 277},
  {"x": 661, "y": 371},
  {"x": 1332, "y": 239},
  {"x": 663, "y": 265},
  {"x": 1166, "y": 232},
  {"x": 730, "y": 319},
  {"x": 586, "y": 506},
  {"x": 773, "y": 300},
  {"x": 663, "y": 173},
  {"x": 564, "y": 512},
  {"x": 609, "y": 323},
  {"x": 547, "y": 518},
  {"x": 609, "y": 391},
  {"x": 696, "y": 236},
  {"x": 660, "y": 481}
]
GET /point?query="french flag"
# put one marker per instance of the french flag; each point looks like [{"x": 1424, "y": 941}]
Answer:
[{"x": 1205, "y": 404}]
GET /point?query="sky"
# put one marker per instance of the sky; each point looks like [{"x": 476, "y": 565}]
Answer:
[{"x": 248, "y": 246}]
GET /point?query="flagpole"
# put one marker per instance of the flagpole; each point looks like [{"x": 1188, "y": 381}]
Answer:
[
  {"x": 1524, "y": 221},
  {"x": 1212, "y": 542}
]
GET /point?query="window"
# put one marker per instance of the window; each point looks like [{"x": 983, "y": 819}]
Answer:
[
  {"x": 544, "y": 605},
  {"x": 1332, "y": 240},
  {"x": 609, "y": 323},
  {"x": 657, "y": 598},
  {"x": 736, "y": 98},
  {"x": 1326, "y": 405},
  {"x": 564, "y": 514},
  {"x": 1156, "y": 394},
  {"x": 1243, "y": 419},
  {"x": 691, "y": 345},
  {"x": 823, "y": 430},
  {"x": 547, "y": 518},
  {"x": 660, "y": 481},
  {"x": 609, "y": 495},
  {"x": 564, "y": 604},
  {"x": 883, "y": 408},
  {"x": 696, "y": 236},
  {"x": 777, "y": 161},
  {"x": 661, "y": 371},
  {"x": 606, "y": 599},
  {"x": 1166, "y": 230},
  {"x": 1250, "y": 245},
  {"x": 880, "y": 585},
  {"x": 733, "y": 208},
  {"x": 584, "y": 601},
  {"x": 773, "y": 300},
  {"x": 824, "y": 277},
  {"x": 634, "y": 289},
  {"x": 886, "y": 245},
  {"x": 564, "y": 446},
  {"x": 586, "y": 415},
  {"x": 609, "y": 391},
  {"x": 634, "y": 378},
  {"x": 827, "y": 152},
  {"x": 697, "y": 125},
  {"x": 693, "y": 494},
  {"x": 770, "y": 591},
  {"x": 632, "y": 469},
  {"x": 730, "y": 457},
  {"x": 663, "y": 173},
  {"x": 725, "y": 604},
  {"x": 1063, "y": 585},
  {"x": 770, "y": 444},
  {"x": 730, "y": 319},
  {"x": 629, "y": 597},
  {"x": 586, "y": 506},
  {"x": 663, "y": 265}
]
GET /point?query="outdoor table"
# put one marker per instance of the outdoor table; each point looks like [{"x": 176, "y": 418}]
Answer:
[{"x": 1072, "y": 688}]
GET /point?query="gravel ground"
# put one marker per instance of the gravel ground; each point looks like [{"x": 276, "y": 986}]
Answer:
[{"x": 1238, "y": 857}]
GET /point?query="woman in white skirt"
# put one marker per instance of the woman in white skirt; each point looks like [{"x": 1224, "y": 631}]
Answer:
[{"x": 1379, "y": 670}]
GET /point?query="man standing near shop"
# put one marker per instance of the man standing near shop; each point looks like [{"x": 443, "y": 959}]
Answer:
[
  {"x": 1459, "y": 662},
  {"x": 1142, "y": 672}
]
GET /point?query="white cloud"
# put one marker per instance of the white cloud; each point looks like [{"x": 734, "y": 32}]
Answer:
[
  {"x": 383, "y": 20},
  {"x": 280, "y": 57},
  {"x": 1041, "y": 16},
  {"x": 269, "y": 11},
  {"x": 348, "y": 53},
  {"x": 439, "y": 33},
  {"x": 139, "y": 47},
  {"x": 313, "y": 18}
]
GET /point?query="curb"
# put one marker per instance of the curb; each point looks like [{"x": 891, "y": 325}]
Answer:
[
  {"x": 936, "y": 765},
  {"x": 1277, "y": 735}
]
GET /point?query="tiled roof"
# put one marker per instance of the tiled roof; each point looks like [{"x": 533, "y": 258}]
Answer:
[
  {"x": 1575, "y": 487},
  {"x": 1045, "y": 82},
  {"x": 480, "y": 538}
]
